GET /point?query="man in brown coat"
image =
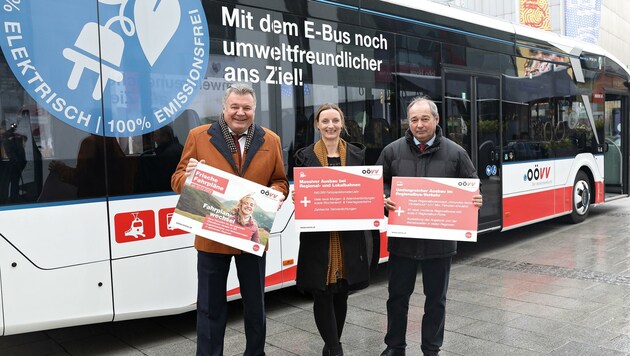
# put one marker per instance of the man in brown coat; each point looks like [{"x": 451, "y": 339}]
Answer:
[{"x": 238, "y": 146}]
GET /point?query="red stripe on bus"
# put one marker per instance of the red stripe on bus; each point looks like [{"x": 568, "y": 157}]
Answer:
[
  {"x": 289, "y": 274},
  {"x": 383, "y": 252},
  {"x": 529, "y": 207},
  {"x": 286, "y": 275},
  {"x": 599, "y": 192},
  {"x": 233, "y": 291}
]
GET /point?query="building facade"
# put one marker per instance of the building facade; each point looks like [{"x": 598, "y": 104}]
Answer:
[{"x": 614, "y": 27}]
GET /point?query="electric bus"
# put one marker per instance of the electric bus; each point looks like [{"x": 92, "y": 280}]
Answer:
[{"x": 97, "y": 97}]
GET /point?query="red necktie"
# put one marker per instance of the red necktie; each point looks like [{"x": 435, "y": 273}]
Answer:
[
  {"x": 422, "y": 147},
  {"x": 238, "y": 149}
]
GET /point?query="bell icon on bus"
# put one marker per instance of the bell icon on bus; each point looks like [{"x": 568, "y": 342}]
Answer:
[{"x": 87, "y": 54}]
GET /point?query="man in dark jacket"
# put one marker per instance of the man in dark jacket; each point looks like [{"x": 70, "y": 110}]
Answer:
[{"x": 422, "y": 152}]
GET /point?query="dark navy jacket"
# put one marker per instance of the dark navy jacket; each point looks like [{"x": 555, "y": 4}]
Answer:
[
  {"x": 313, "y": 254},
  {"x": 443, "y": 159}
]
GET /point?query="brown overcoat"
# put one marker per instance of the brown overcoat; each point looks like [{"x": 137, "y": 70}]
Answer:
[{"x": 261, "y": 164}]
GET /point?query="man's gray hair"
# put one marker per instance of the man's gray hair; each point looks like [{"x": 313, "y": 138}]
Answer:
[
  {"x": 419, "y": 99},
  {"x": 239, "y": 89}
]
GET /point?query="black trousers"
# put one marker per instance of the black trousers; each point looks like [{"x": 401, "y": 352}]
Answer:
[
  {"x": 10, "y": 175},
  {"x": 330, "y": 308},
  {"x": 212, "y": 274},
  {"x": 402, "y": 278}
]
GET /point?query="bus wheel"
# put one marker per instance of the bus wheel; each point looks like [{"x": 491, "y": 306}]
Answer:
[{"x": 581, "y": 198}]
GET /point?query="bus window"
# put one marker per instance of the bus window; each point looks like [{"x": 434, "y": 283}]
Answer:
[
  {"x": 44, "y": 160},
  {"x": 360, "y": 106},
  {"x": 574, "y": 131},
  {"x": 157, "y": 164},
  {"x": 361, "y": 95},
  {"x": 458, "y": 106},
  {"x": 521, "y": 143}
]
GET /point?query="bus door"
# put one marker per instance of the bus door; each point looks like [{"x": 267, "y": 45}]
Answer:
[
  {"x": 471, "y": 116},
  {"x": 615, "y": 172}
]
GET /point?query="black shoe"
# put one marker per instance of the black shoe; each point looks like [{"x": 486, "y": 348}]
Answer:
[
  {"x": 430, "y": 353},
  {"x": 333, "y": 351},
  {"x": 393, "y": 352}
]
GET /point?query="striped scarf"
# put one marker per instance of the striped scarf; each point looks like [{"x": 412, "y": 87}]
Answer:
[
  {"x": 227, "y": 135},
  {"x": 335, "y": 251}
]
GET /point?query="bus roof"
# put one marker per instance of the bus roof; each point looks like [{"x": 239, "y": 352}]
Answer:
[{"x": 522, "y": 35}]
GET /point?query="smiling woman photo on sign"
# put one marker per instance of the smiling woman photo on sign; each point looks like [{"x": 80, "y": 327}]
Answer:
[{"x": 243, "y": 212}]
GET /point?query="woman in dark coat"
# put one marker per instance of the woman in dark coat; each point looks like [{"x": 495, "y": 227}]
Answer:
[{"x": 330, "y": 264}]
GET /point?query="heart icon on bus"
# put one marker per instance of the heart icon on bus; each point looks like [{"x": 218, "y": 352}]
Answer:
[{"x": 156, "y": 23}]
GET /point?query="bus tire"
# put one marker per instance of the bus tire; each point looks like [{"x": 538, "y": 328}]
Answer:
[{"x": 581, "y": 198}]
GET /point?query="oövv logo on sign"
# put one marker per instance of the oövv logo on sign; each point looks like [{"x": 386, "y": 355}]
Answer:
[
  {"x": 466, "y": 184},
  {"x": 268, "y": 193},
  {"x": 129, "y": 71},
  {"x": 371, "y": 171}
]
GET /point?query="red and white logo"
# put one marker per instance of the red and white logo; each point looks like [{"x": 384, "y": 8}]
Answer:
[
  {"x": 134, "y": 226},
  {"x": 164, "y": 220}
]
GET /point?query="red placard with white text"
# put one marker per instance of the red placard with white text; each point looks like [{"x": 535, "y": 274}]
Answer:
[
  {"x": 209, "y": 204},
  {"x": 338, "y": 198},
  {"x": 433, "y": 208}
]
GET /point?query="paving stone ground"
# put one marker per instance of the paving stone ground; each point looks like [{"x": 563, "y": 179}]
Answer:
[{"x": 548, "y": 289}]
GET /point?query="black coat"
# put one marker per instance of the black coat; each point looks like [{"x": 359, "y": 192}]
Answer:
[
  {"x": 443, "y": 159},
  {"x": 312, "y": 266},
  {"x": 157, "y": 166}
]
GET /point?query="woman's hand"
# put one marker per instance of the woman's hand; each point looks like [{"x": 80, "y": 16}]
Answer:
[{"x": 477, "y": 201}]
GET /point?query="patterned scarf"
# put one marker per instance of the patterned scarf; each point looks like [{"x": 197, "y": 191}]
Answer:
[
  {"x": 322, "y": 153},
  {"x": 227, "y": 135},
  {"x": 335, "y": 251}
]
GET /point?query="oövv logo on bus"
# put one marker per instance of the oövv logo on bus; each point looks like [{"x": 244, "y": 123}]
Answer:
[{"x": 537, "y": 173}]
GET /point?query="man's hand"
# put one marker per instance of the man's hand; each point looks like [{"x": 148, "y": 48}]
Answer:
[
  {"x": 192, "y": 164},
  {"x": 281, "y": 200},
  {"x": 389, "y": 204}
]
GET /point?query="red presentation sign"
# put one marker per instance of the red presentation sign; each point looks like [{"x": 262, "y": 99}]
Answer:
[
  {"x": 338, "y": 198},
  {"x": 434, "y": 208}
]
